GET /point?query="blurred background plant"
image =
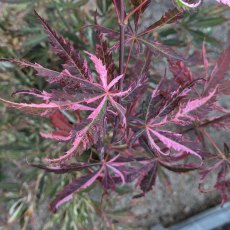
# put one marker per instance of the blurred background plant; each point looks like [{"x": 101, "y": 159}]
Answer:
[
  {"x": 25, "y": 190},
  {"x": 196, "y": 28}
]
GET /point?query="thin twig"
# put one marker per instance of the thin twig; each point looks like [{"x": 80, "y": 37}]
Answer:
[
  {"x": 214, "y": 144},
  {"x": 135, "y": 10},
  {"x": 116, "y": 10},
  {"x": 122, "y": 42},
  {"x": 121, "y": 59},
  {"x": 129, "y": 55}
]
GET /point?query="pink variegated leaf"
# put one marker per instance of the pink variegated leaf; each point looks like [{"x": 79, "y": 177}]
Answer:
[
  {"x": 180, "y": 168},
  {"x": 75, "y": 106},
  {"x": 67, "y": 193},
  {"x": 34, "y": 92},
  {"x": 225, "y": 2},
  {"x": 149, "y": 179},
  {"x": 120, "y": 94},
  {"x": 45, "y": 108},
  {"x": 100, "y": 68},
  {"x": 183, "y": 120},
  {"x": 176, "y": 97},
  {"x": 155, "y": 105},
  {"x": 137, "y": 88},
  {"x": 195, "y": 104},
  {"x": 103, "y": 52},
  {"x": 143, "y": 141},
  {"x": 138, "y": 173},
  {"x": 42, "y": 109},
  {"x": 94, "y": 98},
  {"x": 48, "y": 74},
  {"x": 170, "y": 143},
  {"x": 87, "y": 133},
  {"x": 65, "y": 50},
  {"x": 120, "y": 109},
  {"x": 171, "y": 106},
  {"x": 219, "y": 71},
  {"x": 181, "y": 73},
  {"x": 114, "y": 81},
  {"x": 179, "y": 156},
  {"x": 64, "y": 78},
  {"x": 117, "y": 172},
  {"x": 83, "y": 106},
  {"x": 70, "y": 95},
  {"x": 135, "y": 137},
  {"x": 146, "y": 175},
  {"x": 57, "y": 135},
  {"x": 97, "y": 111},
  {"x": 109, "y": 181},
  {"x": 65, "y": 168},
  {"x": 55, "y": 95},
  {"x": 153, "y": 144}
]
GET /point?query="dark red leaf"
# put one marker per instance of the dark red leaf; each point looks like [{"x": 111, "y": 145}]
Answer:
[
  {"x": 66, "y": 51},
  {"x": 169, "y": 17},
  {"x": 67, "y": 193}
]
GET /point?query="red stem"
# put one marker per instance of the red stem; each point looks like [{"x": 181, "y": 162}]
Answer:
[
  {"x": 129, "y": 55},
  {"x": 121, "y": 59},
  {"x": 116, "y": 10},
  {"x": 132, "y": 12},
  {"x": 122, "y": 42}
]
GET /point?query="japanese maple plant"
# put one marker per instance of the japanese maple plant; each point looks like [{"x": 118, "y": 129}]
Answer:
[{"x": 120, "y": 129}]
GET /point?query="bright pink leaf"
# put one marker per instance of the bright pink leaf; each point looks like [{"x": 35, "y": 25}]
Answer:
[
  {"x": 114, "y": 81},
  {"x": 173, "y": 144},
  {"x": 100, "y": 68},
  {"x": 195, "y": 104}
]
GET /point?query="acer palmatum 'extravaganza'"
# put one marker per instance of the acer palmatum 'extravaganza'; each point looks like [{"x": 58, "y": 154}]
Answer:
[{"x": 133, "y": 129}]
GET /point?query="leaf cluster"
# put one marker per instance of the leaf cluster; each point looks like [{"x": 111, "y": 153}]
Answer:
[{"x": 115, "y": 127}]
